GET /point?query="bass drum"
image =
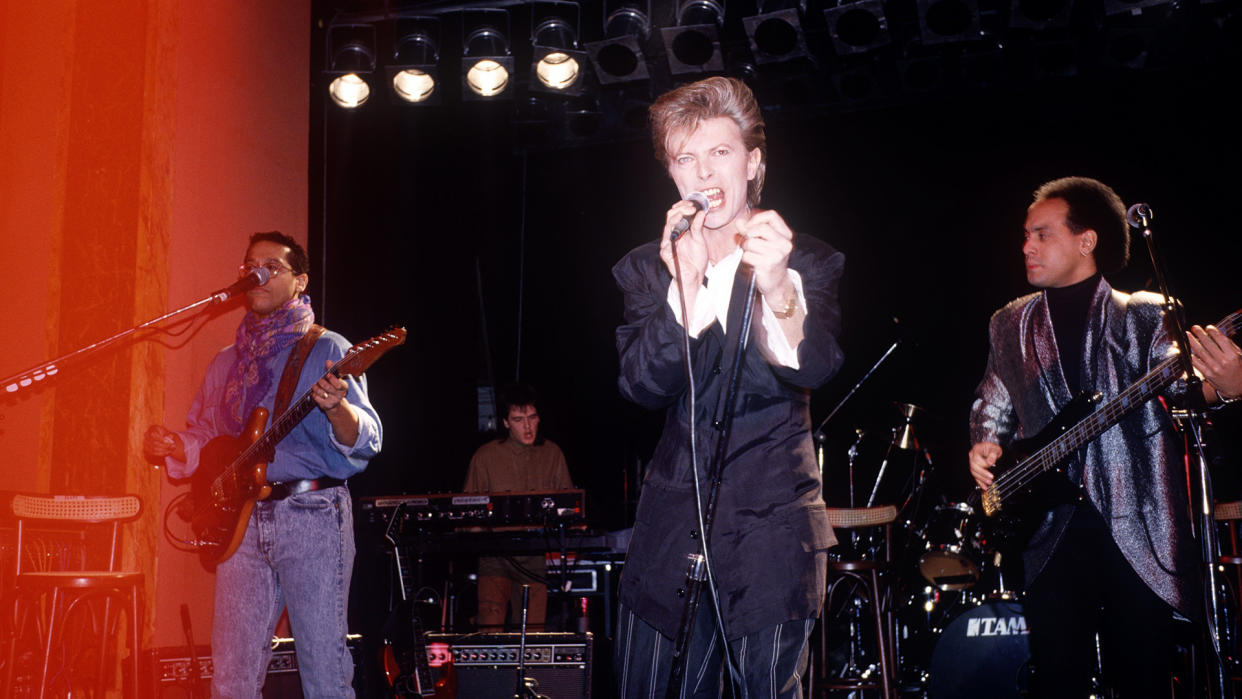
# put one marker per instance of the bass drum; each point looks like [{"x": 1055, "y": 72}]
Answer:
[{"x": 982, "y": 653}]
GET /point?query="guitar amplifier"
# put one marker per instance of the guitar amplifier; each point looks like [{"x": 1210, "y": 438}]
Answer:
[
  {"x": 486, "y": 663},
  {"x": 171, "y": 675}
]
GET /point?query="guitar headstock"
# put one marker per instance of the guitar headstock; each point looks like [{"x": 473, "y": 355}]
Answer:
[{"x": 361, "y": 356}]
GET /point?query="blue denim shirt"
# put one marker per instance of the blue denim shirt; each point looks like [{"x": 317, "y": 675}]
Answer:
[{"x": 309, "y": 450}]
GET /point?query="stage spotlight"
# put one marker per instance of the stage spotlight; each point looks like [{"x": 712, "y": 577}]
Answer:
[
  {"x": 557, "y": 63},
  {"x": 414, "y": 71},
  {"x": 693, "y": 46},
  {"x": 857, "y": 27},
  {"x": 486, "y": 62},
  {"x": 1040, "y": 14},
  {"x": 351, "y": 59},
  {"x": 619, "y": 57},
  {"x": 557, "y": 70},
  {"x": 948, "y": 21},
  {"x": 775, "y": 36}
]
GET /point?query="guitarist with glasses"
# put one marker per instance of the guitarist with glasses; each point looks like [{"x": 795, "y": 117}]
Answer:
[
  {"x": 297, "y": 549},
  {"x": 1120, "y": 559}
]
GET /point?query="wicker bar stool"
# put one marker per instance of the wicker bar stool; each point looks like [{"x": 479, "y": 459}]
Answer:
[
  {"x": 868, "y": 575},
  {"x": 49, "y": 596}
]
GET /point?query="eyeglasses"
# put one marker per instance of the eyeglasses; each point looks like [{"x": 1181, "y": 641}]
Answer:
[{"x": 274, "y": 268}]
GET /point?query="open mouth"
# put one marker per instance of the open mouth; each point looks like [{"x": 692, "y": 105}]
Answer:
[{"x": 715, "y": 197}]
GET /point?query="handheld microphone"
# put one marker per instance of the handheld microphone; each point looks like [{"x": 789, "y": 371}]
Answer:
[
  {"x": 1139, "y": 215},
  {"x": 257, "y": 277},
  {"x": 701, "y": 203}
]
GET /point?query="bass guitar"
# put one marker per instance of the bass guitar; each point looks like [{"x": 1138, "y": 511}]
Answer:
[
  {"x": 232, "y": 472},
  {"x": 1023, "y": 483}
]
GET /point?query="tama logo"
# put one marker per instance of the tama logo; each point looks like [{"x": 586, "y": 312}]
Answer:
[{"x": 996, "y": 626}]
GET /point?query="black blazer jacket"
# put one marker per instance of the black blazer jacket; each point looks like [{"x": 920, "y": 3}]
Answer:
[{"x": 771, "y": 529}]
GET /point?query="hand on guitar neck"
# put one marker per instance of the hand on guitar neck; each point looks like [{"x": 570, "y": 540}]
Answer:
[
  {"x": 329, "y": 394},
  {"x": 1012, "y": 473},
  {"x": 1219, "y": 360}
]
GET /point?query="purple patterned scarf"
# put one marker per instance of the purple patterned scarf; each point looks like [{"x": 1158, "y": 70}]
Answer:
[{"x": 259, "y": 338}]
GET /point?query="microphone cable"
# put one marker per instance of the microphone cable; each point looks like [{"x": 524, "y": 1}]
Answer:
[{"x": 734, "y": 673}]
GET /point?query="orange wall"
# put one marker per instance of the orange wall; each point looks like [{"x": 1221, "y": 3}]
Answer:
[{"x": 141, "y": 141}]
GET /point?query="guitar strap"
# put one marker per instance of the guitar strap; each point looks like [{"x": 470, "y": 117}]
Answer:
[{"x": 293, "y": 368}]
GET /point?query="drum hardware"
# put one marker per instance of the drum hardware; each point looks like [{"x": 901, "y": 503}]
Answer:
[
  {"x": 906, "y": 439},
  {"x": 951, "y": 547},
  {"x": 903, "y": 440},
  {"x": 851, "y": 455}
]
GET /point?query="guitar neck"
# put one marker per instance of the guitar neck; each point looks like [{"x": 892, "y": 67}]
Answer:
[
  {"x": 1108, "y": 414},
  {"x": 1111, "y": 412},
  {"x": 281, "y": 426}
]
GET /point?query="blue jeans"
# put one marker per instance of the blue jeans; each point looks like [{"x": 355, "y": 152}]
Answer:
[{"x": 297, "y": 552}]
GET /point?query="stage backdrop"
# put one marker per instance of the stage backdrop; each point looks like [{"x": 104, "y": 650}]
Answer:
[{"x": 141, "y": 142}]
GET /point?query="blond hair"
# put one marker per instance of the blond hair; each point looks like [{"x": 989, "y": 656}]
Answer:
[{"x": 684, "y": 108}]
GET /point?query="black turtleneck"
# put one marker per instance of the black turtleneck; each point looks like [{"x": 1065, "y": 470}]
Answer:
[{"x": 1068, "y": 307}]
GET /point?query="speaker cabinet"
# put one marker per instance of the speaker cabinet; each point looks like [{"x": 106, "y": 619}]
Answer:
[
  {"x": 172, "y": 674},
  {"x": 486, "y": 664}
]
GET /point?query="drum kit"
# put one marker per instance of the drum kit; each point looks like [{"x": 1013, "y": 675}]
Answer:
[{"x": 960, "y": 631}]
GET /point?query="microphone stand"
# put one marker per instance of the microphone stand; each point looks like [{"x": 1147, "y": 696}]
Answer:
[
  {"x": 821, "y": 438},
  {"x": 525, "y": 687},
  {"x": 1139, "y": 216},
  {"x": 31, "y": 377},
  {"x": 694, "y": 579}
]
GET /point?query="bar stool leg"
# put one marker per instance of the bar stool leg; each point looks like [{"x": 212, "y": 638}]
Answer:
[
  {"x": 134, "y": 634},
  {"x": 881, "y": 636},
  {"x": 54, "y": 610}
]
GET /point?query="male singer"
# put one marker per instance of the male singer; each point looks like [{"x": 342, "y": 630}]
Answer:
[{"x": 766, "y": 550}]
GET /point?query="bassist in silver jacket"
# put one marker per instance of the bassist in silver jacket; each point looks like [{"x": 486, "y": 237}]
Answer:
[{"x": 1120, "y": 560}]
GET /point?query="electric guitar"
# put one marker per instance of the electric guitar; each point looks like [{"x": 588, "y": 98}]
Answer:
[
  {"x": 1022, "y": 484},
  {"x": 232, "y": 472}
]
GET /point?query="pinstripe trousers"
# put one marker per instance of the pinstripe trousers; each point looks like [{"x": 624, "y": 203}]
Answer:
[{"x": 771, "y": 662}]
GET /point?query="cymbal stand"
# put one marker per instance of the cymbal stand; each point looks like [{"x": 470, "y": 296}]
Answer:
[
  {"x": 903, "y": 439},
  {"x": 821, "y": 438}
]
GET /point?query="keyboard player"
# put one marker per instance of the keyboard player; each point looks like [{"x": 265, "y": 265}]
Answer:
[{"x": 519, "y": 461}]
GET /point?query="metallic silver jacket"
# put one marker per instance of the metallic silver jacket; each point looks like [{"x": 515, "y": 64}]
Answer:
[{"x": 1133, "y": 473}]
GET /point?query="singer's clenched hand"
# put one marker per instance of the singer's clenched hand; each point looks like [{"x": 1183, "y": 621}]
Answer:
[
  {"x": 766, "y": 244},
  {"x": 691, "y": 247}
]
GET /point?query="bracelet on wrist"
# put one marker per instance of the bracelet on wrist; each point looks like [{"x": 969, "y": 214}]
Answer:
[{"x": 791, "y": 306}]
